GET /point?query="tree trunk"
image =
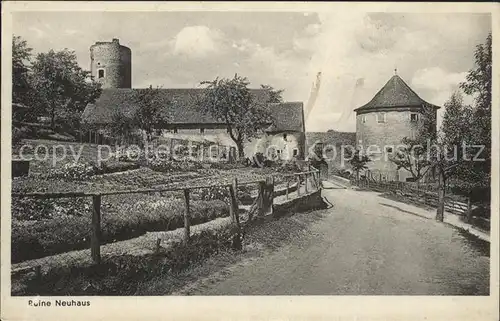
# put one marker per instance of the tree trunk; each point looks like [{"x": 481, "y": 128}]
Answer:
[
  {"x": 53, "y": 118},
  {"x": 241, "y": 152},
  {"x": 441, "y": 195}
]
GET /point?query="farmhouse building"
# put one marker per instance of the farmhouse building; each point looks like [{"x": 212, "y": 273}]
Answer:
[
  {"x": 111, "y": 65},
  {"x": 395, "y": 112}
]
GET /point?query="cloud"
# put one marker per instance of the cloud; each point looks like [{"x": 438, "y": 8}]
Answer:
[
  {"x": 437, "y": 79},
  {"x": 38, "y": 32},
  {"x": 197, "y": 42}
]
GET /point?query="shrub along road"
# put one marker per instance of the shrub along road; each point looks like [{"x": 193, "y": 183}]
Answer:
[{"x": 363, "y": 244}]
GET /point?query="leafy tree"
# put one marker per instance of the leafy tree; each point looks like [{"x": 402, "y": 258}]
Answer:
[
  {"x": 62, "y": 87},
  {"x": 411, "y": 155},
  {"x": 358, "y": 161},
  {"x": 275, "y": 96},
  {"x": 122, "y": 126},
  {"x": 475, "y": 175},
  {"x": 152, "y": 111},
  {"x": 21, "y": 56},
  {"x": 478, "y": 83},
  {"x": 230, "y": 101}
]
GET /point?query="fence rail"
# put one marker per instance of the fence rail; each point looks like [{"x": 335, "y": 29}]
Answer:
[
  {"x": 419, "y": 192},
  {"x": 263, "y": 201}
]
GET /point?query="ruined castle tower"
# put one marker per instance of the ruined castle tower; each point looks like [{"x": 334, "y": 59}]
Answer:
[
  {"x": 395, "y": 112},
  {"x": 111, "y": 64}
]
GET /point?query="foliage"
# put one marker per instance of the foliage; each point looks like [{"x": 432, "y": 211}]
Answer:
[
  {"x": 275, "y": 96},
  {"x": 215, "y": 193},
  {"x": 75, "y": 171},
  {"x": 21, "y": 55},
  {"x": 230, "y": 101},
  {"x": 63, "y": 89},
  {"x": 172, "y": 166},
  {"x": 151, "y": 112},
  {"x": 478, "y": 83},
  {"x": 122, "y": 127},
  {"x": 358, "y": 161}
]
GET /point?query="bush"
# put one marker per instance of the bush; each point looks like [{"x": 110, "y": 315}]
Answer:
[
  {"x": 108, "y": 168},
  {"x": 124, "y": 218},
  {"x": 170, "y": 166},
  {"x": 75, "y": 171}
]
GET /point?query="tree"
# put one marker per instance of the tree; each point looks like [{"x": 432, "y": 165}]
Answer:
[
  {"x": 21, "y": 56},
  {"x": 411, "y": 155},
  {"x": 122, "y": 126},
  {"x": 63, "y": 89},
  {"x": 478, "y": 83},
  {"x": 152, "y": 111},
  {"x": 275, "y": 96},
  {"x": 358, "y": 161},
  {"x": 230, "y": 101}
]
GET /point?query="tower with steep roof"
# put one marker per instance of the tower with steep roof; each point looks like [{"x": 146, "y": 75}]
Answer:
[{"x": 395, "y": 112}]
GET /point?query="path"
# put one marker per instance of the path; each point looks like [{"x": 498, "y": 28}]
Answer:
[{"x": 364, "y": 244}]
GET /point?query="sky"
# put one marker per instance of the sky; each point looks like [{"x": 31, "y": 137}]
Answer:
[{"x": 356, "y": 52}]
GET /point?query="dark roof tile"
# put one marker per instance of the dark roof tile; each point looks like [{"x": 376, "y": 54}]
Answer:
[
  {"x": 395, "y": 93},
  {"x": 185, "y": 110}
]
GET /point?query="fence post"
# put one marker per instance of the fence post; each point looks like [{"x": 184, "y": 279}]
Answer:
[
  {"x": 95, "y": 239},
  {"x": 272, "y": 194},
  {"x": 260, "y": 198},
  {"x": 287, "y": 186},
  {"x": 234, "y": 203},
  {"x": 187, "y": 222},
  {"x": 233, "y": 210},
  {"x": 305, "y": 180},
  {"x": 298, "y": 185}
]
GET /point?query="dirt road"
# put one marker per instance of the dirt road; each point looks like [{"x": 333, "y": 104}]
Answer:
[{"x": 363, "y": 244}]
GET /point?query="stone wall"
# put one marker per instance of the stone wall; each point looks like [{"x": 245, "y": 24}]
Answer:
[{"x": 385, "y": 137}]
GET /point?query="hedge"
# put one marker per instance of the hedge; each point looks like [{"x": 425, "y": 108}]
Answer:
[{"x": 35, "y": 239}]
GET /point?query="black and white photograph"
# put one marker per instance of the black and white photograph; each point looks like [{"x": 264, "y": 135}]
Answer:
[{"x": 209, "y": 152}]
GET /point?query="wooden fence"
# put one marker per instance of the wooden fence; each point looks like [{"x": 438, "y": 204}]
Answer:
[
  {"x": 263, "y": 202},
  {"x": 421, "y": 193}
]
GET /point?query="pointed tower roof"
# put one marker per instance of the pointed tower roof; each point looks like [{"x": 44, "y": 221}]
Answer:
[{"x": 395, "y": 93}]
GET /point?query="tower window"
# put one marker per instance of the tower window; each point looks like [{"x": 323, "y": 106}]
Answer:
[
  {"x": 295, "y": 152},
  {"x": 381, "y": 118},
  {"x": 284, "y": 137},
  {"x": 413, "y": 117},
  {"x": 363, "y": 119},
  {"x": 100, "y": 73}
]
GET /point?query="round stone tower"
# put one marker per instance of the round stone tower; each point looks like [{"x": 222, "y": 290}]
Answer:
[
  {"x": 395, "y": 112},
  {"x": 111, "y": 64}
]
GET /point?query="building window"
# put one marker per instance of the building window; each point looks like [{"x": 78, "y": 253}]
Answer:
[
  {"x": 100, "y": 73},
  {"x": 175, "y": 130},
  {"x": 202, "y": 130},
  {"x": 363, "y": 119},
  {"x": 414, "y": 117},
  {"x": 295, "y": 152},
  {"x": 284, "y": 137},
  {"x": 381, "y": 118}
]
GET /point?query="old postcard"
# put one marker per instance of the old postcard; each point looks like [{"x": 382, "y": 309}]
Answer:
[{"x": 250, "y": 161}]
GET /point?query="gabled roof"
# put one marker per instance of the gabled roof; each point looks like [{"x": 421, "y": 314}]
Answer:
[
  {"x": 184, "y": 109},
  {"x": 395, "y": 93}
]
